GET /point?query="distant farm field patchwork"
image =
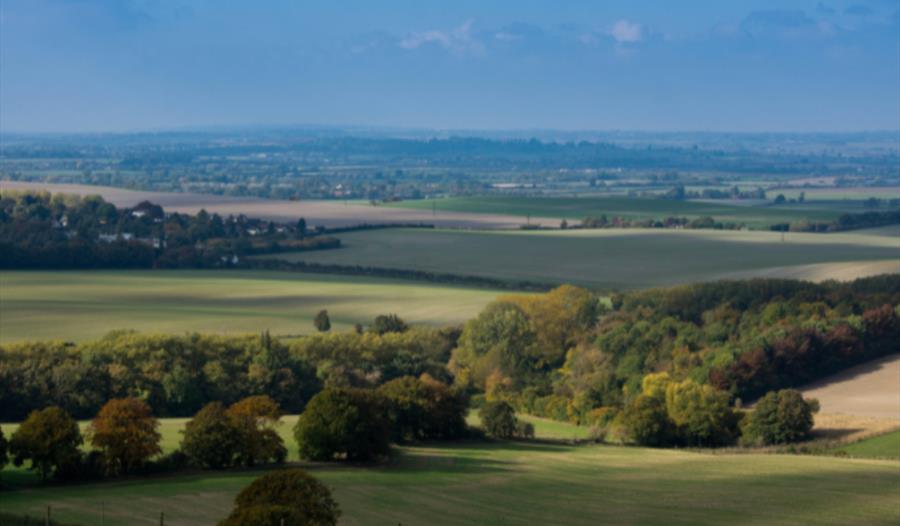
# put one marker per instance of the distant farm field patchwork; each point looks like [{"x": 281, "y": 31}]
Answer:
[
  {"x": 578, "y": 208},
  {"x": 615, "y": 259},
  {"x": 77, "y": 305}
]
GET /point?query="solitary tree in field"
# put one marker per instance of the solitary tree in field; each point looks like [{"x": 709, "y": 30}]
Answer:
[
  {"x": 126, "y": 432},
  {"x": 49, "y": 439},
  {"x": 322, "y": 322},
  {"x": 289, "y": 497}
]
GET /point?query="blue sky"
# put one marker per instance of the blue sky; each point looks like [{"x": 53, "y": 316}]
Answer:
[{"x": 736, "y": 65}]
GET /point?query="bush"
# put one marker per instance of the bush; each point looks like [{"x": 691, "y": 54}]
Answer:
[
  {"x": 524, "y": 430},
  {"x": 284, "y": 498},
  {"x": 780, "y": 417},
  {"x": 498, "y": 419},
  {"x": 348, "y": 423},
  {"x": 424, "y": 409},
  {"x": 49, "y": 438}
]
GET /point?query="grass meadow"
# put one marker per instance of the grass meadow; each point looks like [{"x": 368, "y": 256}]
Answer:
[
  {"x": 881, "y": 446},
  {"x": 514, "y": 483},
  {"x": 79, "y": 305},
  {"x": 614, "y": 259}
]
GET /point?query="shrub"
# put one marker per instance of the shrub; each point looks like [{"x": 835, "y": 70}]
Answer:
[
  {"x": 284, "y": 498},
  {"x": 386, "y": 323},
  {"x": 125, "y": 431},
  {"x": 524, "y": 430},
  {"x": 348, "y": 423},
  {"x": 424, "y": 409},
  {"x": 780, "y": 417},
  {"x": 49, "y": 438},
  {"x": 498, "y": 419}
]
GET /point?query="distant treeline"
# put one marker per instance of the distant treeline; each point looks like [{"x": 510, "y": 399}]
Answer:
[
  {"x": 396, "y": 273},
  {"x": 43, "y": 231},
  {"x": 844, "y": 222}
]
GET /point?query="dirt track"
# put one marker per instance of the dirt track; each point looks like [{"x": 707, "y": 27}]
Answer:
[{"x": 325, "y": 213}]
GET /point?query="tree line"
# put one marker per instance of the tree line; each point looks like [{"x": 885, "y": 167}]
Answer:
[{"x": 39, "y": 230}]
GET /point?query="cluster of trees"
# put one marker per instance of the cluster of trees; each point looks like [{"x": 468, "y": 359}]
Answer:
[
  {"x": 40, "y": 230},
  {"x": 679, "y": 193},
  {"x": 360, "y": 424},
  {"x": 843, "y": 222},
  {"x": 353, "y": 424},
  {"x": 178, "y": 374},
  {"x": 703, "y": 222},
  {"x": 123, "y": 434},
  {"x": 676, "y": 359}
]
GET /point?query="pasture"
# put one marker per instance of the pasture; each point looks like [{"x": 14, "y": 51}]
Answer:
[
  {"x": 617, "y": 258},
  {"x": 881, "y": 446},
  {"x": 577, "y": 208},
  {"x": 522, "y": 483},
  {"x": 80, "y": 305}
]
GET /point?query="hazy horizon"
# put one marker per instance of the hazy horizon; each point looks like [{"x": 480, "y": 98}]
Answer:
[{"x": 762, "y": 66}]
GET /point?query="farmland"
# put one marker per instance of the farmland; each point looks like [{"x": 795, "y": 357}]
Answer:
[
  {"x": 882, "y": 446},
  {"x": 614, "y": 259},
  {"x": 522, "y": 483},
  {"x": 75, "y": 305},
  {"x": 577, "y": 208}
]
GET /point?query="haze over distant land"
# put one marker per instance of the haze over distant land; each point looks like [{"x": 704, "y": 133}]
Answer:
[{"x": 761, "y": 65}]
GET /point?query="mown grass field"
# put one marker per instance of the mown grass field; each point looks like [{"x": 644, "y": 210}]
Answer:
[
  {"x": 578, "y": 208},
  {"x": 78, "y": 305},
  {"x": 882, "y": 446},
  {"x": 613, "y": 259},
  {"x": 523, "y": 483}
]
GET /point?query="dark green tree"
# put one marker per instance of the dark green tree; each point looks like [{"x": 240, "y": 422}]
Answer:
[
  {"x": 780, "y": 417},
  {"x": 498, "y": 419},
  {"x": 322, "y": 322},
  {"x": 344, "y": 423},
  {"x": 284, "y": 498},
  {"x": 211, "y": 440},
  {"x": 49, "y": 438}
]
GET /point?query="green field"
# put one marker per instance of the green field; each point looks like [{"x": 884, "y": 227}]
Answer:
[
  {"x": 523, "y": 483},
  {"x": 578, "y": 208},
  {"x": 604, "y": 259},
  {"x": 77, "y": 305},
  {"x": 882, "y": 446}
]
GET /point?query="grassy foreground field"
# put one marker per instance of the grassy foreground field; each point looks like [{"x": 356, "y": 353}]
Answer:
[
  {"x": 77, "y": 305},
  {"x": 615, "y": 259},
  {"x": 517, "y": 483},
  {"x": 882, "y": 446}
]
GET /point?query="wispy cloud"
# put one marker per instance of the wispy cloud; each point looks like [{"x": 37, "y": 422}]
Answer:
[
  {"x": 625, "y": 32},
  {"x": 459, "y": 40}
]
